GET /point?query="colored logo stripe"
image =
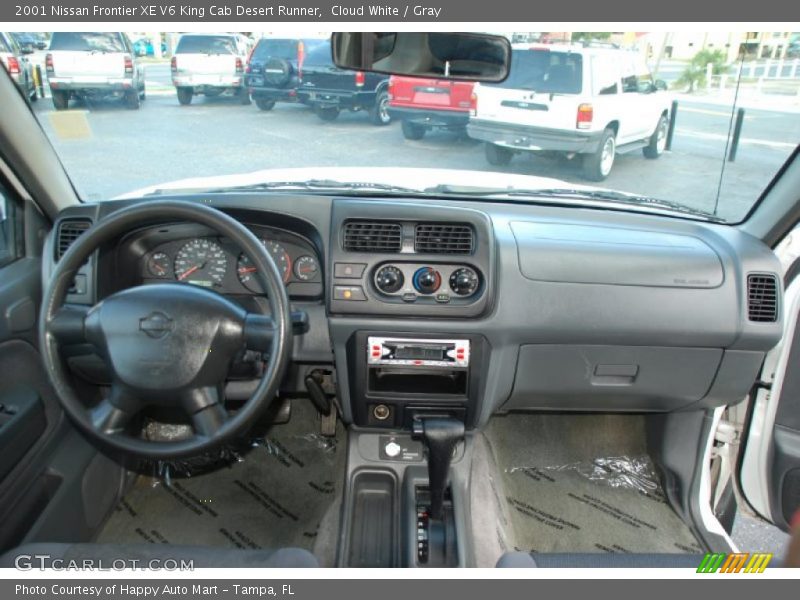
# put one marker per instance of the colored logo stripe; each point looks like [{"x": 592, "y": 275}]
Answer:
[{"x": 734, "y": 563}]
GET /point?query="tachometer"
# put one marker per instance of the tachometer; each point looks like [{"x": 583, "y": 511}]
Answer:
[
  {"x": 201, "y": 262},
  {"x": 247, "y": 271}
]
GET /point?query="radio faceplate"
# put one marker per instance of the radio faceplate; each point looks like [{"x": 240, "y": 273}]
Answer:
[{"x": 416, "y": 352}]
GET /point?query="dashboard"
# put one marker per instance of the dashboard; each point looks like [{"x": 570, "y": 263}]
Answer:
[{"x": 470, "y": 308}]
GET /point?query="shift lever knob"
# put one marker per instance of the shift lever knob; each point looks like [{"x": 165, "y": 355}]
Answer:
[{"x": 440, "y": 436}]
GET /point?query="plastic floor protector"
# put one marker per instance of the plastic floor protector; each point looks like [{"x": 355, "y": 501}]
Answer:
[
  {"x": 274, "y": 495},
  {"x": 582, "y": 483}
]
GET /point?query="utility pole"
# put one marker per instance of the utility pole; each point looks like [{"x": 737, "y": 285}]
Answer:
[{"x": 661, "y": 52}]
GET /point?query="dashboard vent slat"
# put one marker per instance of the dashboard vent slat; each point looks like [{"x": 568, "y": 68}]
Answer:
[
  {"x": 443, "y": 238},
  {"x": 373, "y": 236},
  {"x": 68, "y": 232},
  {"x": 762, "y": 298}
]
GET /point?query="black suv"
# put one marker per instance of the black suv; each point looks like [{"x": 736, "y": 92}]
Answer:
[
  {"x": 273, "y": 70},
  {"x": 329, "y": 89}
]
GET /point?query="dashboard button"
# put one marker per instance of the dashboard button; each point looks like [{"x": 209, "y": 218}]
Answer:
[
  {"x": 349, "y": 270},
  {"x": 409, "y": 297},
  {"x": 348, "y": 292},
  {"x": 443, "y": 298}
]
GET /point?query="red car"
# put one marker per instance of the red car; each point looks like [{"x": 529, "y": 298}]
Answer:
[{"x": 425, "y": 104}]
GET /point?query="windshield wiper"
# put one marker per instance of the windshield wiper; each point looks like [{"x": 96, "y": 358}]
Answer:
[{"x": 575, "y": 194}]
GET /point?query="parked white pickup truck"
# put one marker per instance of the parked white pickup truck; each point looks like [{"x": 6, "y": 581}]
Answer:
[
  {"x": 93, "y": 64},
  {"x": 584, "y": 101},
  {"x": 210, "y": 64}
]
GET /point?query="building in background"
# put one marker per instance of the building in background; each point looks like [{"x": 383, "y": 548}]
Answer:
[{"x": 750, "y": 45}]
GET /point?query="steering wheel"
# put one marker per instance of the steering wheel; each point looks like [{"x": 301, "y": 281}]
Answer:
[{"x": 166, "y": 344}]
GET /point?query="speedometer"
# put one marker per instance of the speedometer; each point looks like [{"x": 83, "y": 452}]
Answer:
[{"x": 201, "y": 262}]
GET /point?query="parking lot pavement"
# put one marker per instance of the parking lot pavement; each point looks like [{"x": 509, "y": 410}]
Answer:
[{"x": 164, "y": 141}]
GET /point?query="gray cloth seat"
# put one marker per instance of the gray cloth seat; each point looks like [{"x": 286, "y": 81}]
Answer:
[
  {"x": 202, "y": 557},
  {"x": 600, "y": 560}
]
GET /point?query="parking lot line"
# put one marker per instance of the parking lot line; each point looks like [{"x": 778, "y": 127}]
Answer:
[{"x": 721, "y": 137}]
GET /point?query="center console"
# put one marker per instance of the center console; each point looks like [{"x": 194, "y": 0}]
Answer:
[{"x": 412, "y": 396}]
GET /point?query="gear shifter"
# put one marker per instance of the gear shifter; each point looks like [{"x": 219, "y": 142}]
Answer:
[{"x": 440, "y": 436}]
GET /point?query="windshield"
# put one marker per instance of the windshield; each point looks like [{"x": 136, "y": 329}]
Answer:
[
  {"x": 87, "y": 41},
  {"x": 697, "y": 121}
]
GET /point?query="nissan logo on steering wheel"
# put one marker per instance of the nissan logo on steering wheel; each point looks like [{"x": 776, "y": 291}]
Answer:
[{"x": 156, "y": 325}]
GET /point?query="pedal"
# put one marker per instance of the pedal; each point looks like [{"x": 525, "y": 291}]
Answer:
[{"x": 327, "y": 424}]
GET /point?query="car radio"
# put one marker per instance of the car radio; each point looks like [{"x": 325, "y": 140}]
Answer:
[{"x": 409, "y": 352}]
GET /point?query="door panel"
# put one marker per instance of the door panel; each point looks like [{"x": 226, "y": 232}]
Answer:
[
  {"x": 770, "y": 464},
  {"x": 29, "y": 410}
]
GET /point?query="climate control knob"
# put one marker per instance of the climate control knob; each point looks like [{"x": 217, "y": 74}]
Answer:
[
  {"x": 427, "y": 280},
  {"x": 464, "y": 281},
  {"x": 389, "y": 279}
]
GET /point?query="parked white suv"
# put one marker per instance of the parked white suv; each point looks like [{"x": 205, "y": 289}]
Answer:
[
  {"x": 210, "y": 64},
  {"x": 587, "y": 101},
  {"x": 93, "y": 64}
]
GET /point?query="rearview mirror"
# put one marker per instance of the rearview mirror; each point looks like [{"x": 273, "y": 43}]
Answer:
[{"x": 460, "y": 56}]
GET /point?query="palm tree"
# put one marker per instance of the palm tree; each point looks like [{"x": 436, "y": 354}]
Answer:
[{"x": 695, "y": 72}]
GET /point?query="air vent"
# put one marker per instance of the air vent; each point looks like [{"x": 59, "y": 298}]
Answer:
[
  {"x": 443, "y": 238},
  {"x": 762, "y": 298},
  {"x": 373, "y": 236},
  {"x": 68, "y": 232}
]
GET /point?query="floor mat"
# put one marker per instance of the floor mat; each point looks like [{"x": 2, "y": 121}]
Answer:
[
  {"x": 275, "y": 495},
  {"x": 583, "y": 483}
]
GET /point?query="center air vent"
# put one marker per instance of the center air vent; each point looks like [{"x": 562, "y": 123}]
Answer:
[
  {"x": 762, "y": 298},
  {"x": 373, "y": 236},
  {"x": 68, "y": 232},
  {"x": 443, "y": 238}
]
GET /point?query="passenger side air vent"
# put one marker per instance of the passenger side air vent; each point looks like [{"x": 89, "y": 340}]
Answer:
[
  {"x": 372, "y": 236},
  {"x": 762, "y": 298},
  {"x": 443, "y": 238},
  {"x": 68, "y": 232}
]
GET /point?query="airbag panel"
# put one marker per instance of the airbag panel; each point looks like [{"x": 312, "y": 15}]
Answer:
[{"x": 571, "y": 253}]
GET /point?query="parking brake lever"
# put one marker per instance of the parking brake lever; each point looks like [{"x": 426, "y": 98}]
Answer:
[{"x": 440, "y": 435}]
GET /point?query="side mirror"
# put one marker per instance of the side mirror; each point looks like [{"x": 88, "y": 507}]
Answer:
[{"x": 457, "y": 56}]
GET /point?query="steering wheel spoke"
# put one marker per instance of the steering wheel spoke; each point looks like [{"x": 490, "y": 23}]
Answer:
[
  {"x": 68, "y": 324},
  {"x": 205, "y": 410},
  {"x": 258, "y": 332},
  {"x": 114, "y": 413}
]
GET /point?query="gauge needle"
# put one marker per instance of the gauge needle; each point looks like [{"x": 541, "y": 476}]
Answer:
[
  {"x": 247, "y": 270},
  {"x": 188, "y": 272}
]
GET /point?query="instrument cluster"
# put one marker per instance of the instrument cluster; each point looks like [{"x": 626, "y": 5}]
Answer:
[{"x": 216, "y": 263}]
